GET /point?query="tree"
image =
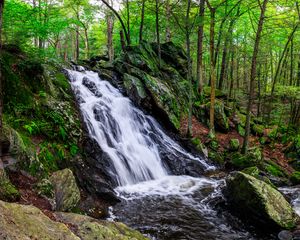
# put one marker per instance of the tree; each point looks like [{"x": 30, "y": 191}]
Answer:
[
  {"x": 1, "y": 80},
  {"x": 212, "y": 67},
  {"x": 157, "y": 30},
  {"x": 126, "y": 32},
  {"x": 253, "y": 73},
  {"x": 142, "y": 21},
  {"x": 200, "y": 74},
  {"x": 110, "y": 28}
]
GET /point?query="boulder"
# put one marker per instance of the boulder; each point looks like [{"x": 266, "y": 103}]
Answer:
[
  {"x": 221, "y": 120},
  {"x": 234, "y": 144},
  {"x": 252, "y": 158},
  {"x": 259, "y": 202},
  {"x": 8, "y": 191},
  {"x": 295, "y": 178},
  {"x": 28, "y": 222},
  {"x": 88, "y": 228},
  {"x": 67, "y": 194}
]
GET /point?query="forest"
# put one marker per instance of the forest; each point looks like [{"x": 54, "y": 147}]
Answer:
[{"x": 180, "y": 119}]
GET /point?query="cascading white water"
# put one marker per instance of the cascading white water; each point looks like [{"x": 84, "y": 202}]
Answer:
[{"x": 125, "y": 133}]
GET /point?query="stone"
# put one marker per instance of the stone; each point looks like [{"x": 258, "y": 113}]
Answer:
[
  {"x": 295, "y": 178},
  {"x": 8, "y": 192},
  {"x": 285, "y": 235},
  {"x": 67, "y": 194},
  {"x": 252, "y": 158},
  {"x": 88, "y": 228},
  {"x": 259, "y": 202},
  {"x": 257, "y": 130},
  {"x": 28, "y": 222},
  {"x": 234, "y": 144},
  {"x": 221, "y": 120}
]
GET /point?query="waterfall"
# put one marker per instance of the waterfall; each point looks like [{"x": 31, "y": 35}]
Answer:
[{"x": 131, "y": 138}]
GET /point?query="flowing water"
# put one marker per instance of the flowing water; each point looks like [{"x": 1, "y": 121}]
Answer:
[{"x": 160, "y": 204}]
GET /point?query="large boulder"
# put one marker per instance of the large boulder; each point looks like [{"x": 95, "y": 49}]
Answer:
[
  {"x": 67, "y": 194},
  {"x": 8, "y": 191},
  {"x": 88, "y": 228},
  {"x": 259, "y": 202},
  {"x": 221, "y": 120},
  {"x": 28, "y": 222},
  {"x": 153, "y": 86}
]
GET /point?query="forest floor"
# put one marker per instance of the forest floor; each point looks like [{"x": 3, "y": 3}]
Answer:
[{"x": 273, "y": 152}]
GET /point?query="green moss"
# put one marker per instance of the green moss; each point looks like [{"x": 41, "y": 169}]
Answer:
[
  {"x": 255, "y": 197},
  {"x": 258, "y": 129},
  {"x": 274, "y": 169},
  {"x": 295, "y": 178},
  {"x": 234, "y": 144},
  {"x": 8, "y": 192}
]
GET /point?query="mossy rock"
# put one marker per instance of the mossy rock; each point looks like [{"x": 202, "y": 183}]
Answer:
[
  {"x": 241, "y": 130},
  {"x": 258, "y": 130},
  {"x": 28, "y": 222},
  {"x": 252, "y": 158},
  {"x": 67, "y": 194},
  {"x": 8, "y": 192},
  {"x": 219, "y": 93},
  {"x": 295, "y": 178},
  {"x": 259, "y": 202},
  {"x": 274, "y": 169},
  {"x": 88, "y": 228},
  {"x": 234, "y": 144},
  {"x": 221, "y": 120},
  {"x": 45, "y": 188},
  {"x": 258, "y": 174},
  {"x": 216, "y": 157},
  {"x": 134, "y": 88}
]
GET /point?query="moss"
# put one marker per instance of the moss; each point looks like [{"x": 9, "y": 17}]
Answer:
[
  {"x": 258, "y": 129},
  {"x": 8, "y": 192},
  {"x": 274, "y": 169},
  {"x": 256, "y": 198},
  {"x": 295, "y": 178},
  {"x": 241, "y": 130},
  {"x": 251, "y": 159},
  {"x": 216, "y": 157},
  {"x": 234, "y": 144}
]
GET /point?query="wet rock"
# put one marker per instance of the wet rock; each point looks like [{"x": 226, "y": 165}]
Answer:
[
  {"x": 91, "y": 86},
  {"x": 28, "y": 222},
  {"x": 135, "y": 89},
  {"x": 285, "y": 235},
  {"x": 67, "y": 194},
  {"x": 8, "y": 191},
  {"x": 259, "y": 202}
]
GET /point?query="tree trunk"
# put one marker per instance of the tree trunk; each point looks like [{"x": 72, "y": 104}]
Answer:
[
  {"x": 77, "y": 44},
  {"x": 86, "y": 43},
  {"x": 212, "y": 72},
  {"x": 123, "y": 44},
  {"x": 281, "y": 59},
  {"x": 189, "y": 72},
  {"x": 168, "y": 28},
  {"x": 142, "y": 20},
  {"x": 253, "y": 74},
  {"x": 128, "y": 20},
  {"x": 121, "y": 21},
  {"x": 1, "y": 78},
  {"x": 200, "y": 74},
  {"x": 292, "y": 64},
  {"x": 110, "y": 28},
  {"x": 157, "y": 31}
]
